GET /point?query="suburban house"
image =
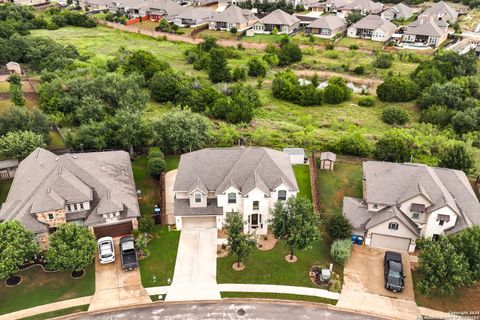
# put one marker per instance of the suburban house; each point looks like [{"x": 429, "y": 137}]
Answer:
[
  {"x": 154, "y": 9},
  {"x": 93, "y": 5},
  {"x": 232, "y": 17},
  {"x": 329, "y": 6},
  {"x": 442, "y": 11},
  {"x": 364, "y": 7},
  {"x": 372, "y": 27},
  {"x": 327, "y": 26},
  {"x": 403, "y": 202},
  {"x": 426, "y": 31},
  {"x": 92, "y": 189},
  {"x": 212, "y": 182},
  {"x": 192, "y": 17},
  {"x": 283, "y": 22},
  {"x": 8, "y": 168},
  {"x": 398, "y": 12}
]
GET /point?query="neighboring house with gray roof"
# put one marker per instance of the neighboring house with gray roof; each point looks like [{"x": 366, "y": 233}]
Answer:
[
  {"x": 210, "y": 183},
  {"x": 426, "y": 31},
  {"x": 232, "y": 17},
  {"x": 372, "y": 27},
  {"x": 329, "y": 6},
  {"x": 8, "y": 168},
  {"x": 327, "y": 26},
  {"x": 193, "y": 17},
  {"x": 442, "y": 11},
  {"x": 92, "y": 189},
  {"x": 154, "y": 9},
  {"x": 398, "y": 12},
  {"x": 364, "y": 7},
  {"x": 283, "y": 22},
  {"x": 403, "y": 202}
]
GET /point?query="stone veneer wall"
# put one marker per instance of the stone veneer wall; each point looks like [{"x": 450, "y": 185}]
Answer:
[
  {"x": 59, "y": 217},
  {"x": 43, "y": 240}
]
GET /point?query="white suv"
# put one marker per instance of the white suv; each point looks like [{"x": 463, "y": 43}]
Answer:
[{"x": 106, "y": 250}]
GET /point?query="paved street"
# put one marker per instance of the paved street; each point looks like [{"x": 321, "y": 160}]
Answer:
[{"x": 225, "y": 310}]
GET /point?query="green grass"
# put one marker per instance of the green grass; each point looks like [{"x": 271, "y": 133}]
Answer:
[
  {"x": 302, "y": 173},
  {"x": 345, "y": 180},
  {"x": 161, "y": 262},
  {"x": 147, "y": 185},
  {"x": 58, "y": 313},
  {"x": 270, "y": 267},
  {"x": 4, "y": 86},
  {"x": 56, "y": 141},
  {"x": 276, "y": 296},
  {"x": 361, "y": 43},
  {"x": 39, "y": 287},
  {"x": 218, "y": 34},
  {"x": 172, "y": 162},
  {"x": 4, "y": 188}
]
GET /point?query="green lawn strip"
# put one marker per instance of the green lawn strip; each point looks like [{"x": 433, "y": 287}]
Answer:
[
  {"x": 39, "y": 287},
  {"x": 345, "y": 180},
  {"x": 172, "y": 162},
  {"x": 4, "y": 86},
  {"x": 161, "y": 261},
  {"x": 156, "y": 297},
  {"x": 4, "y": 188},
  {"x": 276, "y": 296},
  {"x": 146, "y": 184},
  {"x": 56, "y": 141},
  {"x": 302, "y": 173},
  {"x": 270, "y": 267},
  {"x": 58, "y": 313}
]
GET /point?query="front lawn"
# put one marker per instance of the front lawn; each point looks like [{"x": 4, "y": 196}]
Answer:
[
  {"x": 147, "y": 185},
  {"x": 58, "y": 313},
  {"x": 270, "y": 267},
  {"x": 172, "y": 162},
  {"x": 39, "y": 287},
  {"x": 344, "y": 181},
  {"x": 276, "y": 296},
  {"x": 4, "y": 188},
  {"x": 302, "y": 173},
  {"x": 157, "y": 268}
]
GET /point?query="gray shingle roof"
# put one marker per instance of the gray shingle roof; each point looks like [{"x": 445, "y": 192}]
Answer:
[
  {"x": 244, "y": 168},
  {"x": 364, "y": 5},
  {"x": 426, "y": 27},
  {"x": 328, "y": 156},
  {"x": 44, "y": 181},
  {"x": 441, "y": 8},
  {"x": 372, "y": 22},
  {"x": 334, "y": 4},
  {"x": 279, "y": 17},
  {"x": 5, "y": 164},
  {"x": 328, "y": 22},
  {"x": 195, "y": 13},
  {"x": 402, "y": 11},
  {"x": 182, "y": 207},
  {"x": 294, "y": 151},
  {"x": 232, "y": 14}
]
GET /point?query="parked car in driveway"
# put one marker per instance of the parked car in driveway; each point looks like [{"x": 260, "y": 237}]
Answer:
[
  {"x": 106, "y": 250},
  {"x": 129, "y": 254},
  {"x": 393, "y": 270}
]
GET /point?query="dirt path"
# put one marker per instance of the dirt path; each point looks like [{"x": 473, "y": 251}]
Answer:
[{"x": 370, "y": 82}]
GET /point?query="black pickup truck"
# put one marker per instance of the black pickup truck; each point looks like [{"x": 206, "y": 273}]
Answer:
[
  {"x": 393, "y": 269},
  {"x": 129, "y": 254}
]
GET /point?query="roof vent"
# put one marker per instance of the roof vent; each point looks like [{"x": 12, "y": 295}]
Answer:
[
  {"x": 57, "y": 158},
  {"x": 74, "y": 157}
]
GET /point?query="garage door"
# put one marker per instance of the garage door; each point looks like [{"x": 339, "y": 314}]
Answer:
[
  {"x": 114, "y": 230},
  {"x": 198, "y": 222},
  {"x": 389, "y": 242}
]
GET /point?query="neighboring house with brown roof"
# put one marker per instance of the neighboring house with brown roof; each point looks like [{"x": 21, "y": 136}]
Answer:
[
  {"x": 92, "y": 189},
  {"x": 372, "y": 27},
  {"x": 327, "y": 26},
  {"x": 397, "y": 12},
  {"x": 232, "y": 17},
  {"x": 403, "y": 202},
  {"x": 283, "y": 22},
  {"x": 210, "y": 183},
  {"x": 193, "y": 17},
  {"x": 442, "y": 11},
  {"x": 426, "y": 31}
]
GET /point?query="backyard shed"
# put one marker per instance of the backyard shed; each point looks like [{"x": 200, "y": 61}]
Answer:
[
  {"x": 8, "y": 169},
  {"x": 14, "y": 67},
  {"x": 297, "y": 155},
  {"x": 327, "y": 160}
]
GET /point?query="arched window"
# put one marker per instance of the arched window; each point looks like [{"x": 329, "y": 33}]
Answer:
[
  {"x": 282, "y": 195},
  {"x": 393, "y": 226}
]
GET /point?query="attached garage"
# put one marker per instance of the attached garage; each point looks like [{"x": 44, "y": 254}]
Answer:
[
  {"x": 199, "y": 222},
  {"x": 114, "y": 230},
  {"x": 389, "y": 242}
]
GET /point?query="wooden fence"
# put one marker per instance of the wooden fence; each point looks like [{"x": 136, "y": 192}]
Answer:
[{"x": 314, "y": 183}]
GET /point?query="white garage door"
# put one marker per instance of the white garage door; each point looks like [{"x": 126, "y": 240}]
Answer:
[
  {"x": 389, "y": 242},
  {"x": 198, "y": 222}
]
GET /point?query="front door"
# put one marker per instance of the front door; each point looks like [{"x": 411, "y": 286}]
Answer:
[{"x": 254, "y": 221}]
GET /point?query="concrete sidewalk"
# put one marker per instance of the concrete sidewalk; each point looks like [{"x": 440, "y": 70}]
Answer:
[
  {"x": 268, "y": 288},
  {"x": 46, "y": 308}
]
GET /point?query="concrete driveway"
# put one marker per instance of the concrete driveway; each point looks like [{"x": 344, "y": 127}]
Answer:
[
  {"x": 196, "y": 265},
  {"x": 363, "y": 287},
  {"x": 115, "y": 287}
]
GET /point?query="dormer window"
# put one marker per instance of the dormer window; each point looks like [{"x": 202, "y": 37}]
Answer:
[
  {"x": 198, "y": 198},
  {"x": 442, "y": 218},
  {"x": 282, "y": 195},
  {"x": 232, "y": 197},
  {"x": 416, "y": 209},
  {"x": 256, "y": 205},
  {"x": 69, "y": 208},
  {"x": 393, "y": 226},
  {"x": 375, "y": 205}
]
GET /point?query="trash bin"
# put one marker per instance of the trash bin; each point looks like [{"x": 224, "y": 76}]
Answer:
[
  {"x": 354, "y": 238},
  {"x": 360, "y": 240}
]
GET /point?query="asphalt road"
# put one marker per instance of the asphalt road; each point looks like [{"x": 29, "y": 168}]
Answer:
[{"x": 230, "y": 310}]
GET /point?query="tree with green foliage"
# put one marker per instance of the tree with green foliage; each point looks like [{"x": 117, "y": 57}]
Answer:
[
  {"x": 442, "y": 267},
  {"x": 218, "y": 70},
  {"x": 226, "y": 135},
  {"x": 437, "y": 115},
  {"x": 467, "y": 242},
  {"x": 354, "y": 17},
  {"x": 20, "y": 119},
  {"x": 458, "y": 157},
  {"x": 450, "y": 64},
  {"x": 237, "y": 106},
  {"x": 284, "y": 85},
  {"x": 340, "y": 250},
  {"x": 19, "y": 144},
  {"x": 240, "y": 244},
  {"x": 428, "y": 76},
  {"x": 450, "y": 94},
  {"x": 338, "y": 227},
  {"x": 295, "y": 223},
  {"x": 383, "y": 60},
  {"x": 465, "y": 121},
  {"x": 16, "y": 92},
  {"x": 366, "y": 102},
  {"x": 91, "y": 109},
  {"x": 257, "y": 68},
  {"x": 336, "y": 91},
  {"x": 89, "y": 136},
  {"x": 289, "y": 53},
  {"x": 397, "y": 89},
  {"x": 181, "y": 131},
  {"x": 309, "y": 95},
  {"x": 128, "y": 130},
  {"x": 165, "y": 85},
  {"x": 156, "y": 164},
  {"x": 394, "y": 146},
  {"x": 395, "y": 115},
  {"x": 72, "y": 248},
  {"x": 144, "y": 63},
  {"x": 17, "y": 244},
  {"x": 352, "y": 144},
  {"x": 239, "y": 74},
  {"x": 146, "y": 224}
]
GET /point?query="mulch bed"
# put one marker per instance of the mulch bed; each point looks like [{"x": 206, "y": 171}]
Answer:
[
  {"x": 222, "y": 252},
  {"x": 77, "y": 274},
  {"x": 13, "y": 281},
  {"x": 294, "y": 259},
  {"x": 266, "y": 244},
  {"x": 236, "y": 267}
]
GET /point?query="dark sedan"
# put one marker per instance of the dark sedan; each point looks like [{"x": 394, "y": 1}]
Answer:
[{"x": 393, "y": 270}]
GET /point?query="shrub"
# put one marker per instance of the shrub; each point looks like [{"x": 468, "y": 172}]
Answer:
[
  {"x": 336, "y": 91},
  {"x": 383, "y": 60},
  {"x": 338, "y": 227},
  {"x": 352, "y": 144},
  {"x": 359, "y": 70},
  {"x": 257, "y": 68},
  {"x": 395, "y": 115},
  {"x": 146, "y": 224},
  {"x": 340, "y": 251},
  {"x": 156, "y": 166},
  {"x": 141, "y": 243},
  {"x": 239, "y": 74},
  {"x": 366, "y": 101},
  {"x": 330, "y": 46},
  {"x": 353, "y": 47},
  {"x": 397, "y": 89},
  {"x": 233, "y": 30}
]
